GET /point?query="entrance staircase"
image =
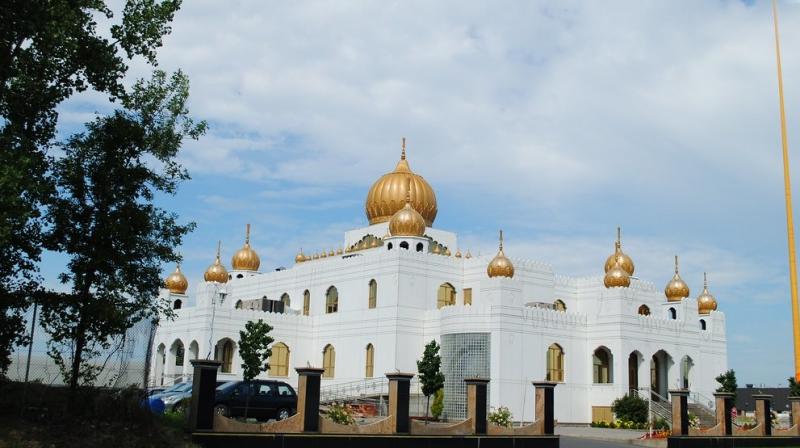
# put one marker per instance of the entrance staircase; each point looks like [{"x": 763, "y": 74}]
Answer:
[{"x": 368, "y": 393}]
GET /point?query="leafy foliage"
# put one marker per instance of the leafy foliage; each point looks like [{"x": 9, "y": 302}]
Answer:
[
  {"x": 630, "y": 407},
  {"x": 430, "y": 374},
  {"x": 794, "y": 387},
  {"x": 254, "y": 348},
  {"x": 438, "y": 404},
  {"x": 727, "y": 382},
  {"x": 341, "y": 414},
  {"x": 501, "y": 417}
]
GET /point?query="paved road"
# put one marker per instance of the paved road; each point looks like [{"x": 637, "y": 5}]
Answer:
[{"x": 576, "y": 442}]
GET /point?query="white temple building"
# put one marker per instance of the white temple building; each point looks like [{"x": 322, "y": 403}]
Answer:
[{"x": 398, "y": 283}]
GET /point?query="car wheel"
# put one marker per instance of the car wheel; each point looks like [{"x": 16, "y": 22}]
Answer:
[
  {"x": 222, "y": 410},
  {"x": 283, "y": 414}
]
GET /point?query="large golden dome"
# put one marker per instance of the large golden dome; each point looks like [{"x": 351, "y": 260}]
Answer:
[
  {"x": 676, "y": 289},
  {"x": 407, "y": 221},
  {"x": 176, "y": 282},
  {"x": 500, "y": 266},
  {"x": 246, "y": 259},
  {"x": 620, "y": 257},
  {"x": 216, "y": 272},
  {"x": 617, "y": 277},
  {"x": 706, "y": 303},
  {"x": 388, "y": 194}
]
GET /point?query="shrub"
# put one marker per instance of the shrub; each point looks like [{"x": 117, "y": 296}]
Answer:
[
  {"x": 694, "y": 421},
  {"x": 660, "y": 423},
  {"x": 630, "y": 408},
  {"x": 341, "y": 414},
  {"x": 727, "y": 382},
  {"x": 501, "y": 417},
  {"x": 438, "y": 404},
  {"x": 794, "y": 388}
]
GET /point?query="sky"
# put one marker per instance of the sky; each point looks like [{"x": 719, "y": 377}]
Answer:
[{"x": 556, "y": 121}]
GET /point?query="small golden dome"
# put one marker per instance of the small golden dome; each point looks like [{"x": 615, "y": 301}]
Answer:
[
  {"x": 246, "y": 259},
  {"x": 176, "y": 282},
  {"x": 500, "y": 266},
  {"x": 331, "y": 253},
  {"x": 617, "y": 277},
  {"x": 447, "y": 251},
  {"x": 624, "y": 261},
  {"x": 375, "y": 243},
  {"x": 315, "y": 257},
  {"x": 407, "y": 221},
  {"x": 360, "y": 245},
  {"x": 469, "y": 255},
  {"x": 387, "y": 195},
  {"x": 676, "y": 289},
  {"x": 216, "y": 272},
  {"x": 323, "y": 254},
  {"x": 339, "y": 251},
  {"x": 436, "y": 249},
  {"x": 706, "y": 303},
  {"x": 458, "y": 253},
  {"x": 300, "y": 257}
]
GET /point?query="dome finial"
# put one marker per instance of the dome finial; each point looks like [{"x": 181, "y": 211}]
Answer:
[
  {"x": 501, "y": 239},
  {"x": 219, "y": 248},
  {"x": 247, "y": 234},
  {"x": 403, "y": 153},
  {"x": 705, "y": 280},
  {"x": 676, "y": 264},
  {"x": 706, "y": 303}
]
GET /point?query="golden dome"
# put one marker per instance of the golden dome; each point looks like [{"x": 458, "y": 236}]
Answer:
[
  {"x": 676, "y": 289},
  {"x": 500, "y": 266},
  {"x": 245, "y": 259},
  {"x": 387, "y": 195},
  {"x": 300, "y": 257},
  {"x": 447, "y": 251},
  {"x": 216, "y": 272},
  {"x": 617, "y": 277},
  {"x": 436, "y": 249},
  {"x": 706, "y": 303},
  {"x": 331, "y": 253},
  {"x": 176, "y": 282},
  {"x": 458, "y": 253},
  {"x": 407, "y": 221},
  {"x": 624, "y": 261},
  {"x": 469, "y": 255}
]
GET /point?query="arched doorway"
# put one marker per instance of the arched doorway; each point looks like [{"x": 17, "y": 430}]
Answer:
[
  {"x": 194, "y": 350},
  {"x": 602, "y": 361},
  {"x": 224, "y": 353},
  {"x": 686, "y": 368},
  {"x": 659, "y": 375},
  {"x": 161, "y": 357},
  {"x": 634, "y": 361},
  {"x": 555, "y": 363}
]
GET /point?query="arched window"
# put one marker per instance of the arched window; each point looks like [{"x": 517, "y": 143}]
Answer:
[
  {"x": 279, "y": 360},
  {"x": 446, "y": 295},
  {"x": 176, "y": 305},
  {"x": 224, "y": 354},
  {"x": 179, "y": 353},
  {"x": 703, "y": 324},
  {"x": 238, "y": 304},
  {"x": 601, "y": 361},
  {"x": 673, "y": 314},
  {"x": 306, "y": 302},
  {"x": 161, "y": 359},
  {"x": 194, "y": 350},
  {"x": 555, "y": 363},
  {"x": 389, "y": 246},
  {"x": 644, "y": 310},
  {"x": 332, "y": 300},
  {"x": 287, "y": 302},
  {"x": 559, "y": 305},
  {"x": 239, "y": 275},
  {"x": 370, "y": 364},
  {"x": 686, "y": 367},
  {"x": 328, "y": 361},
  {"x": 404, "y": 244},
  {"x": 420, "y": 247},
  {"x": 373, "y": 293}
]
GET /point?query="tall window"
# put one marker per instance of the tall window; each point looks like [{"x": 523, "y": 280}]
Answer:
[
  {"x": 306, "y": 302},
  {"x": 224, "y": 353},
  {"x": 673, "y": 314},
  {"x": 602, "y": 366},
  {"x": 332, "y": 300},
  {"x": 179, "y": 354},
  {"x": 279, "y": 360},
  {"x": 559, "y": 305},
  {"x": 373, "y": 293},
  {"x": 644, "y": 310},
  {"x": 702, "y": 324},
  {"x": 370, "y": 364},
  {"x": 176, "y": 305},
  {"x": 287, "y": 302},
  {"x": 446, "y": 296},
  {"x": 467, "y": 296},
  {"x": 555, "y": 363},
  {"x": 328, "y": 361},
  {"x": 238, "y": 305}
]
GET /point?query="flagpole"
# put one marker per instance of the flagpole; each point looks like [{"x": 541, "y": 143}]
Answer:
[{"x": 788, "y": 196}]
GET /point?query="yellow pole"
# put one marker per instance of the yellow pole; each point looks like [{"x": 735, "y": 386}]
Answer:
[{"x": 788, "y": 194}]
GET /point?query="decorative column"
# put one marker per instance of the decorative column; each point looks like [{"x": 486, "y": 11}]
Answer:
[
  {"x": 204, "y": 385},
  {"x": 763, "y": 414},
  {"x": 399, "y": 392},
  {"x": 724, "y": 405},
  {"x": 477, "y": 395},
  {"x": 308, "y": 383},
  {"x": 680, "y": 412},
  {"x": 545, "y": 404}
]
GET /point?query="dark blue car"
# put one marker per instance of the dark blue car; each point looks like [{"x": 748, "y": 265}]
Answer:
[{"x": 267, "y": 399}]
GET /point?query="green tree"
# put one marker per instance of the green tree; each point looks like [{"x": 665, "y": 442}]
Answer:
[
  {"x": 794, "y": 387},
  {"x": 104, "y": 219},
  {"x": 430, "y": 374},
  {"x": 438, "y": 404},
  {"x": 48, "y": 51},
  {"x": 630, "y": 408},
  {"x": 254, "y": 349},
  {"x": 727, "y": 382}
]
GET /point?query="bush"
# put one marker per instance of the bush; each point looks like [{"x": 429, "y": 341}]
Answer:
[
  {"x": 794, "y": 387},
  {"x": 660, "y": 423},
  {"x": 630, "y": 408},
  {"x": 341, "y": 414},
  {"x": 438, "y": 404},
  {"x": 501, "y": 417},
  {"x": 727, "y": 382}
]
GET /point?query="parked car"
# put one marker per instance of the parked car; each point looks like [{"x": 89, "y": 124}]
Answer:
[
  {"x": 174, "y": 389},
  {"x": 268, "y": 399},
  {"x": 173, "y": 401}
]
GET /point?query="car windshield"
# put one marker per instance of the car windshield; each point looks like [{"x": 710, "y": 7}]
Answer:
[
  {"x": 175, "y": 388},
  {"x": 226, "y": 386},
  {"x": 183, "y": 387}
]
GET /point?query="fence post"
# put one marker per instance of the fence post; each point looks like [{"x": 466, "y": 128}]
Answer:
[
  {"x": 308, "y": 385},
  {"x": 763, "y": 414},
  {"x": 477, "y": 394},
  {"x": 680, "y": 412},
  {"x": 204, "y": 385},
  {"x": 724, "y": 411},
  {"x": 399, "y": 393},
  {"x": 545, "y": 405}
]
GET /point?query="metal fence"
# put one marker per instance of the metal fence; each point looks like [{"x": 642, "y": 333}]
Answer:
[{"x": 125, "y": 363}]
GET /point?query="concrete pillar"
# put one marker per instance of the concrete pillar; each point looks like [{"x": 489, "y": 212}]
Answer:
[
  {"x": 763, "y": 414},
  {"x": 308, "y": 383},
  {"x": 724, "y": 405},
  {"x": 680, "y": 412},
  {"x": 204, "y": 385},
  {"x": 545, "y": 405},
  {"x": 399, "y": 392},
  {"x": 795, "y": 410},
  {"x": 477, "y": 400}
]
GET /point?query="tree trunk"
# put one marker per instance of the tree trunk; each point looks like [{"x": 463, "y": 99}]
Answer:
[
  {"x": 246, "y": 402},
  {"x": 80, "y": 344},
  {"x": 427, "y": 406}
]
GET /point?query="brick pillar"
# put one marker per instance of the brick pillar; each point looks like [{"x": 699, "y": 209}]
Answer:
[
  {"x": 204, "y": 385},
  {"x": 399, "y": 392},
  {"x": 724, "y": 405},
  {"x": 763, "y": 414},
  {"x": 308, "y": 397},
  {"x": 680, "y": 412},
  {"x": 545, "y": 404},
  {"x": 795, "y": 410},
  {"x": 477, "y": 398}
]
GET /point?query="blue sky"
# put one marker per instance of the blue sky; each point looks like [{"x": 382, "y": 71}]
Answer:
[{"x": 556, "y": 121}]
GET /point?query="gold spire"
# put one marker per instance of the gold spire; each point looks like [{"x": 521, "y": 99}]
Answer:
[
  {"x": 216, "y": 272},
  {"x": 706, "y": 303},
  {"x": 176, "y": 282},
  {"x": 617, "y": 277},
  {"x": 407, "y": 221},
  {"x": 500, "y": 266},
  {"x": 469, "y": 254},
  {"x": 676, "y": 288},
  {"x": 300, "y": 258},
  {"x": 246, "y": 259},
  {"x": 458, "y": 253},
  {"x": 620, "y": 257},
  {"x": 403, "y": 152}
]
